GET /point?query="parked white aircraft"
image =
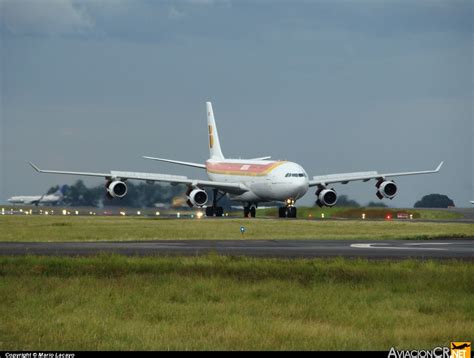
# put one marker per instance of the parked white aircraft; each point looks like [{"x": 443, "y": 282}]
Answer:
[
  {"x": 50, "y": 199},
  {"x": 250, "y": 181}
]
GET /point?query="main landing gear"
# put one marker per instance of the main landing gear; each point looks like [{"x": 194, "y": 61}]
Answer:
[
  {"x": 287, "y": 211},
  {"x": 215, "y": 210},
  {"x": 250, "y": 210}
]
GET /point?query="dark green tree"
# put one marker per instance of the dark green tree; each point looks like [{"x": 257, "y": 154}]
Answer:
[
  {"x": 344, "y": 200},
  {"x": 434, "y": 201},
  {"x": 52, "y": 190},
  {"x": 374, "y": 204}
]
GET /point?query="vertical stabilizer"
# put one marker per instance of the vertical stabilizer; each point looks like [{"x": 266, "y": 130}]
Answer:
[{"x": 214, "y": 144}]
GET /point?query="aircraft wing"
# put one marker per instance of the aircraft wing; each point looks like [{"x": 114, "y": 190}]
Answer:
[
  {"x": 345, "y": 178},
  {"x": 196, "y": 165},
  {"x": 236, "y": 188}
]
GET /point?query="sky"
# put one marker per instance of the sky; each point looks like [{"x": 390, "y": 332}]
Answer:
[{"x": 336, "y": 86}]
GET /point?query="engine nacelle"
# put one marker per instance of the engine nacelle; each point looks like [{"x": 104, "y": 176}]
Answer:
[
  {"x": 197, "y": 197},
  {"x": 326, "y": 197},
  {"x": 386, "y": 189},
  {"x": 116, "y": 189}
]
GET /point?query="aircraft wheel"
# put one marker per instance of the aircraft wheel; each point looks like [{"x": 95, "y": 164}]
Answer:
[
  {"x": 209, "y": 211},
  {"x": 246, "y": 211},
  {"x": 219, "y": 211},
  {"x": 292, "y": 212},
  {"x": 282, "y": 212},
  {"x": 253, "y": 211}
]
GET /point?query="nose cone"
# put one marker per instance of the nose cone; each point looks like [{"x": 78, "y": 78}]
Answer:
[{"x": 300, "y": 187}]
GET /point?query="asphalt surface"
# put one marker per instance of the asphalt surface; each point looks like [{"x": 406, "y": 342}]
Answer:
[{"x": 382, "y": 249}]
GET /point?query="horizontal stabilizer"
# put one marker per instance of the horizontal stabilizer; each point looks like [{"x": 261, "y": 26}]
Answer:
[
  {"x": 262, "y": 158},
  {"x": 188, "y": 164}
]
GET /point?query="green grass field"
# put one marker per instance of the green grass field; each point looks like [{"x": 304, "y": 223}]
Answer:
[
  {"x": 213, "y": 302},
  {"x": 84, "y": 228},
  {"x": 371, "y": 213}
]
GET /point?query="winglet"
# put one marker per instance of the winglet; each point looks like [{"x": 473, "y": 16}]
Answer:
[
  {"x": 35, "y": 167},
  {"x": 439, "y": 166}
]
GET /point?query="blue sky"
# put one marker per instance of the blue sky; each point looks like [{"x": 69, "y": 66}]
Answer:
[{"x": 334, "y": 85}]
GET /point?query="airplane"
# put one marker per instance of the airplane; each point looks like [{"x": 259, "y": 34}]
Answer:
[
  {"x": 46, "y": 199},
  {"x": 249, "y": 181},
  {"x": 462, "y": 346}
]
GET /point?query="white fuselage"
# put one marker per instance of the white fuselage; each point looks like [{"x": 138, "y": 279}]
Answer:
[
  {"x": 266, "y": 180},
  {"x": 33, "y": 199}
]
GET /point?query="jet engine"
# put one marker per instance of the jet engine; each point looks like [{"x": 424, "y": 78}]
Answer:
[
  {"x": 197, "y": 197},
  {"x": 326, "y": 197},
  {"x": 116, "y": 189},
  {"x": 386, "y": 189}
]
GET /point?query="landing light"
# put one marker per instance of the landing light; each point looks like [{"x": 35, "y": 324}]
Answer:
[
  {"x": 322, "y": 215},
  {"x": 178, "y": 215},
  {"x": 157, "y": 213},
  {"x": 363, "y": 216},
  {"x": 139, "y": 212},
  {"x": 77, "y": 212},
  {"x": 123, "y": 213},
  {"x": 64, "y": 212},
  {"x": 199, "y": 214}
]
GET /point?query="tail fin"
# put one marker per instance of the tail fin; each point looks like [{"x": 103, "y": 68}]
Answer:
[
  {"x": 61, "y": 191},
  {"x": 214, "y": 144}
]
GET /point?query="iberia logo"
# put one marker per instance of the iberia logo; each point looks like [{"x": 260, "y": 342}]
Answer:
[
  {"x": 460, "y": 349},
  {"x": 211, "y": 137}
]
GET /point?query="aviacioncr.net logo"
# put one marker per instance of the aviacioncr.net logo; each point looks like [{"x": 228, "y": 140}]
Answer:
[{"x": 438, "y": 352}]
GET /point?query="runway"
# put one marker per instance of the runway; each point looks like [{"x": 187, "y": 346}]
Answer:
[{"x": 371, "y": 249}]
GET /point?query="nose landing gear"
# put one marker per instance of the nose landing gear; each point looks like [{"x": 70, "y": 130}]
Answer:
[{"x": 288, "y": 211}]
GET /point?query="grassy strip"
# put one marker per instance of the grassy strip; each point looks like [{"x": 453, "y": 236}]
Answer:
[
  {"x": 114, "y": 302},
  {"x": 371, "y": 213},
  {"x": 47, "y": 228}
]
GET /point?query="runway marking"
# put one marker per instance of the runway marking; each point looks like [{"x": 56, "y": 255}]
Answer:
[
  {"x": 431, "y": 243},
  {"x": 372, "y": 246}
]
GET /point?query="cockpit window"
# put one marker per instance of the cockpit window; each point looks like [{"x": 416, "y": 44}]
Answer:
[{"x": 295, "y": 175}]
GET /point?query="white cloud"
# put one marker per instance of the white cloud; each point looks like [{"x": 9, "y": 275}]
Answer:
[
  {"x": 174, "y": 13},
  {"x": 209, "y": 2},
  {"x": 47, "y": 17}
]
